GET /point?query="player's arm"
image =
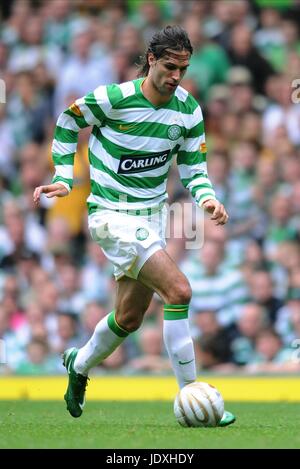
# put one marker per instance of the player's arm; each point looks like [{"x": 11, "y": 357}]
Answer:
[
  {"x": 192, "y": 167},
  {"x": 82, "y": 113}
]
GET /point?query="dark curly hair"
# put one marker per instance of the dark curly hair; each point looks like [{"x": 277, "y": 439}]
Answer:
[{"x": 171, "y": 37}]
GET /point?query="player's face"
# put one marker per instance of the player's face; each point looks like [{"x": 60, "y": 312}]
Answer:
[{"x": 167, "y": 72}]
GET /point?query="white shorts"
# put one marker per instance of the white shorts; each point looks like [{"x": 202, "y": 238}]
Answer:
[{"x": 128, "y": 240}]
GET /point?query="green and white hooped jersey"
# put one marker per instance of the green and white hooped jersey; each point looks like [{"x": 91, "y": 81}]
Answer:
[{"x": 132, "y": 145}]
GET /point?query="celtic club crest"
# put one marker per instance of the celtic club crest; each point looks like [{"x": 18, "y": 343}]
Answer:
[
  {"x": 141, "y": 234},
  {"x": 174, "y": 132}
]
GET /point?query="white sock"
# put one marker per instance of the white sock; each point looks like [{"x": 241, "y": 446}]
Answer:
[
  {"x": 179, "y": 343},
  {"x": 107, "y": 336}
]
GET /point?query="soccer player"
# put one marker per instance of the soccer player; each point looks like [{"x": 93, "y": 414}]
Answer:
[{"x": 138, "y": 127}]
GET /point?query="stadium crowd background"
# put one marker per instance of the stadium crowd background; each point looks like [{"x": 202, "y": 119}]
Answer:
[{"x": 55, "y": 283}]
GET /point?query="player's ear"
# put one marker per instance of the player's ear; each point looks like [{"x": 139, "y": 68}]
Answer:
[{"x": 151, "y": 59}]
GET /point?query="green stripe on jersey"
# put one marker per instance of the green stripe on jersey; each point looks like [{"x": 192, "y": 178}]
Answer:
[
  {"x": 190, "y": 157},
  {"x": 80, "y": 120},
  {"x": 114, "y": 94},
  {"x": 63, "y": 159},
  {"x": 62, "y": 179},
  {"x": 197, "y": 130},
  {"x": 65, "y": 135},
  {"x": 93, "y": 106}
]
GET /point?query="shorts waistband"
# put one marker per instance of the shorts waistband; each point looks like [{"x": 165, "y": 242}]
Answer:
[{"x": 145, "y": 212}]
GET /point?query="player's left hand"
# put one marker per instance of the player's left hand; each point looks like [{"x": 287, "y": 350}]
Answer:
[{"x": 219, "y": 214}]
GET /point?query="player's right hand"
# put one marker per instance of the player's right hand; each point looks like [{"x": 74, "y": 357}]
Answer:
[{"x": 52, "y": 190}]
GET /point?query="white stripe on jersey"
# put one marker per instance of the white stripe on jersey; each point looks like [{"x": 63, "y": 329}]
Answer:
[
  {"x": 88, "y": 115},
  {"x": 64, "y": 170},
  {"x": 127, "y": 88},
  {"x": 186, "y": 171},
  {"x": 160, "y": 116},
  {"x": 192, "y": 144},
  {"x": 63, "y": 148},
  {"x": 149, "y": 144},
  {"x": 67, "y": 122},
  {"x": 101, "y": 97}
]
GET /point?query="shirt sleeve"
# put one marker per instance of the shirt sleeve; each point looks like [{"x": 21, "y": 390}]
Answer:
[
  {"x": 84, "y": 112},
  {"x": 191, "y": 162}
]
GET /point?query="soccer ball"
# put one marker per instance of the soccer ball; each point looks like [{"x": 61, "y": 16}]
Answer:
[{"x": 198, "y": 405}]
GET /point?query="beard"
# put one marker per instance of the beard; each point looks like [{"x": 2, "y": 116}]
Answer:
[{"x": 163, "y": 89}]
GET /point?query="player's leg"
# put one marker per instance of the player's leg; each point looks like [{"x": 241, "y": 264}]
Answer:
[
  {"x": 132, "y": 301},
  {"x": 161, "y": 274}
]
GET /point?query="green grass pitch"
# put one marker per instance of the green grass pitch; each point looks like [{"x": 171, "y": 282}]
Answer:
[{"x": 27, "y": 424}]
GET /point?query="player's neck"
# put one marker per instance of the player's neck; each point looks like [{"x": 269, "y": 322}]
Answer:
[{"x": 152, "y": 94}]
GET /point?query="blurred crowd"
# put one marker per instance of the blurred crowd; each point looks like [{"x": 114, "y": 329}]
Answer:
[{"x": 55, "y": 283}]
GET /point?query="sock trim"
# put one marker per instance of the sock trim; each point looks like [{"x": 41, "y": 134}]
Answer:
[
  {"x": 114, "y": 326},
  {"x": 174, "y": 312},
  {"x": 176, "y": 307}
]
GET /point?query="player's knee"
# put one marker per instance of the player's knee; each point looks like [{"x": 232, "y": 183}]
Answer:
[
  {"x": 133, "y": 325},
  {"x": 181, "y": 294},
  {"x": 129, "y": 321}
]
